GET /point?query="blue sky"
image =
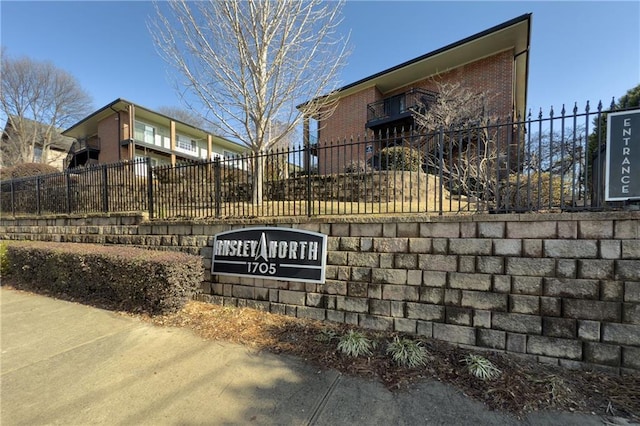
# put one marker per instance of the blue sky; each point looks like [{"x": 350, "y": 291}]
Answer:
[{"x": 579, "y": 50}]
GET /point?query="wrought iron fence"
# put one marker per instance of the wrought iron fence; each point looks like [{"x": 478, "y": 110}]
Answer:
[
  {"x": 552, "y": 163},
  {"x": 118, "y": 187}
]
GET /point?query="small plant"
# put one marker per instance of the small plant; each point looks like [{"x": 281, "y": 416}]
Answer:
[
  {"x": 326, "y": 335},
  {"x": 355, "y": 344},
  {"x": 481, "y": 367},
  {"x": 407, "y": 353}
]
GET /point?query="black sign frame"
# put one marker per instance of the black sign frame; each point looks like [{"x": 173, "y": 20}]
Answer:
[
  {"x": 274, "y": 253},
  {"x": 622, "y": 178}
]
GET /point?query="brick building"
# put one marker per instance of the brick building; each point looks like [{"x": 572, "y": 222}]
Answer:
[
  {"x": 123, "y": 130},
  {"x": 494, "y": 61}
]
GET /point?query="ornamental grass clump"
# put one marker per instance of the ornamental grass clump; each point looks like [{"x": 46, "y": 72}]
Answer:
[
  {"x": 481, "y": 367},
  {"x": 407, "y": 353},
  {"x": 355, "y": 344}
]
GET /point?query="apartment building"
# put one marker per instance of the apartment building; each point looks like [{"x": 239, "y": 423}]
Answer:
[
  {"x": 494, "y": 62},
  {"x": 123, "y": 130}
]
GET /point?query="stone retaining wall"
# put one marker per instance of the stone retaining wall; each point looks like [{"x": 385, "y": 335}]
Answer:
[{"x": 560, "y": 288}]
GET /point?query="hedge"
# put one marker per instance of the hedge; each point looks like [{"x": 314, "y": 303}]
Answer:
[{"x": 123, "y": 278}]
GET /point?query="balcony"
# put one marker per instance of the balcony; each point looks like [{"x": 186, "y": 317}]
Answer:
[
  {"x": 80, "y": 145},
  {"x": 83, "y": 152},
  {"x": 397, "y": 110}
]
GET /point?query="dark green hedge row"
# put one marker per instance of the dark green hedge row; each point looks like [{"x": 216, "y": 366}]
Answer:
[{"x": 124, "y": 278}]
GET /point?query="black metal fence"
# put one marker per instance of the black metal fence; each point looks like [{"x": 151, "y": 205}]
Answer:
[
  {"x": 118, "y": 187},
  {"x": 552, "y": 163}
]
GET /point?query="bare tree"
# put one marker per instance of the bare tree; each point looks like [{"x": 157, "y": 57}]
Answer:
[
  {"x": 558, "y": 156},
  {"x": 278, "y": 161},
  {"x": 37, "y": 99},
  {"x": 249, "y": 63},
  {"x": 455, "y": 105},
  {"x": 459, "y": 142},
  {"x": 190, "y": 117},
  {"x": 558, "y": 152}
]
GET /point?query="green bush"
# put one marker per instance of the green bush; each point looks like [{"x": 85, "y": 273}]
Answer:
[
  {"x": 123, "y": 278},
  {"x": 4, "y": 260},
  {"x": 401, "y": 158}
]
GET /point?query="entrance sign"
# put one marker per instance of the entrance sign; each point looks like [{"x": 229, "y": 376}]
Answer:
[
  {"x": 270, "y": 252},
  {"x": 623, "y": 156}
]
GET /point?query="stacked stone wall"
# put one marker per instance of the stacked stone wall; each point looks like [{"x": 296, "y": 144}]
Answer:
[{"x": 559, "y": 288}]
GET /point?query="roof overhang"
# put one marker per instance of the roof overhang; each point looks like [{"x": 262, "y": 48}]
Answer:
[{"x": 512, "y": 35}]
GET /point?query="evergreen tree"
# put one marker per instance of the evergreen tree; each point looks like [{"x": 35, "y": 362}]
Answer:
[{"x": 598, "y": 135}]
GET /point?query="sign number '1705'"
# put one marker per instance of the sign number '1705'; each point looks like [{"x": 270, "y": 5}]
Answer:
[{"x": 271, "y": 252}]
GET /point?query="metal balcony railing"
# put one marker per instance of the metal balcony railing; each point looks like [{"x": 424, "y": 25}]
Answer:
[
  {"x": 84, "y": 144},
  {"x": 398, "y": 107}
]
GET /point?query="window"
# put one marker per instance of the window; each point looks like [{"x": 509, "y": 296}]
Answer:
[
  {"x": 37, "y": 154},
  {"x": 145, "y": 133},
  {"x": 394, "y": 105},
  {"x": 186, "y": 144}
]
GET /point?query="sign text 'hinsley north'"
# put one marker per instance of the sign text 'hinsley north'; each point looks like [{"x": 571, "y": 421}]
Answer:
[{"x": 270, "y": 252}]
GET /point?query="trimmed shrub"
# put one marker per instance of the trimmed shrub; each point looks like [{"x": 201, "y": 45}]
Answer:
[
  {"x": 400, "y": 158},
  {"x": 123, "y": 278},
  {"x": 27, "y": 170}
]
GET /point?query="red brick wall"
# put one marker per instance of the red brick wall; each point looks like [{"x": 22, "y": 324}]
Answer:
[{"x": 108, "y": 134}]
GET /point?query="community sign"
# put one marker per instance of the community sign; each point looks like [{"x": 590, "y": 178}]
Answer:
[
  {"x": 270, "y": 252},
  {"x": 623, "y": 156}
]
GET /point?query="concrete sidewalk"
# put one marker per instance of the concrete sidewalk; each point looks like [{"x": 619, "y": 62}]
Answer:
[{"x": 66, "y": 363}]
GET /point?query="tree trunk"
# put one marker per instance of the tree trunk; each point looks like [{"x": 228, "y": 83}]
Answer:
[{"x": 258, "y": 178}]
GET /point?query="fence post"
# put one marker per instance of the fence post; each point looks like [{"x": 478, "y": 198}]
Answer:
[
  {"x": 440, "y": 166},
  {"x": 307, "y": 153},
  {"x": 13, "y": 199},
  {"x": 217, "y": 186},
  {"x": 38, "y": 195},
  {"x": 105, "y": 189},
  {"x": 149, "y": 186},
  {"x": 68, "y": 184}
]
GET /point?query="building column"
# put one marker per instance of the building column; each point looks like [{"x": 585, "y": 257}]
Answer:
[
  {"x": 305, "y": 142},
  {"x": 131, "y": 147},
  {"x": 209, "y": 147},
  {"x": 172, "y": 137}
]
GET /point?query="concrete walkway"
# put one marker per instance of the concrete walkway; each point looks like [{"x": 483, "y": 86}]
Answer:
[{"x": 70, "y": 364}]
